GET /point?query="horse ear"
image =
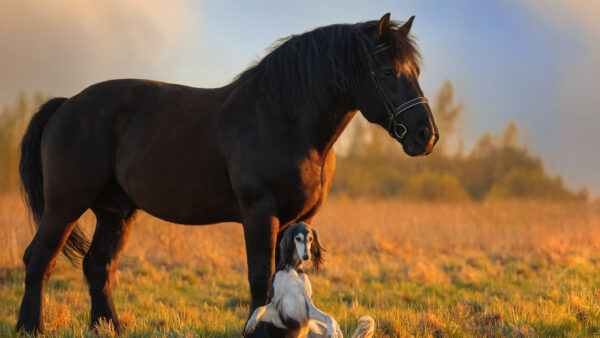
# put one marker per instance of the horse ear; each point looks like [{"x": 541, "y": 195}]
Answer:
[
  {"x": 286, "y": 246},
  {"x": 316, "y": 252},
  {"x": 384, "y": 26},
  {"x": 408, "y": 24}
]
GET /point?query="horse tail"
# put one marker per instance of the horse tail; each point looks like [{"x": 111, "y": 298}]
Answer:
[{"x": 30, "y": 168}]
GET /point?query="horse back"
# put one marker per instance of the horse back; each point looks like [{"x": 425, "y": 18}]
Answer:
[{"x": 154, "y": 141}]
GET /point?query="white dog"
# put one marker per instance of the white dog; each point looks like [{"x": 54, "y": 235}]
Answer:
[{"x": 291, "y": 309}]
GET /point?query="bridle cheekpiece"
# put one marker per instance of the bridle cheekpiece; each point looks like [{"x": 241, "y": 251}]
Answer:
[{"x": 395, "y": 128}]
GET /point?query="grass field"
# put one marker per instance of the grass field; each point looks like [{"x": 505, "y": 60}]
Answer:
[{"x": 515, "y": 268}]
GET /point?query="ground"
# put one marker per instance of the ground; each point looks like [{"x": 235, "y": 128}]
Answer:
[{"x": 496, "y": 268}]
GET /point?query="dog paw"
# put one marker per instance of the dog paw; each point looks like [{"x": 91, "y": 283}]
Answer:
[
  {"x": 337, "y": 330},
  {"x": 250, "y": 327},
  {"x": 333, "y": 330}
]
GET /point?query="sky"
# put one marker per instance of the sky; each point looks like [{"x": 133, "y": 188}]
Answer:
[{"x": 533, "y": 62}]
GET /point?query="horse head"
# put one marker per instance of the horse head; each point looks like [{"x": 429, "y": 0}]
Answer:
[{"x": 390, "y": 95}]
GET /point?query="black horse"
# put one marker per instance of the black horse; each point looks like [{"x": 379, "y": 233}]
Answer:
[{"x": 257, "y": 151}]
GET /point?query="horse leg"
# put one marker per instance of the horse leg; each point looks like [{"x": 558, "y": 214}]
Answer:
[
  {"x": 40, "y": 258},
  {"x": 260, "y": 233},
  {"x": 100, "y": 263}
]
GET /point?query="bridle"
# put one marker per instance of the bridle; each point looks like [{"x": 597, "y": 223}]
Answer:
[{"x": 395, "y": 128}]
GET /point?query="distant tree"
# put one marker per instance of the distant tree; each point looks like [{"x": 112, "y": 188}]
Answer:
[
  {"x": 496, "y": 167},
  {"x": 448, "y": 115},
  {"x": 522, "y": 183}
]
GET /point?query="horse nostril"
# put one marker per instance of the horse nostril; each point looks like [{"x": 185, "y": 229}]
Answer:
[
  {"x": 305, "y": 257},
  {"x": 424, "y": 135}
]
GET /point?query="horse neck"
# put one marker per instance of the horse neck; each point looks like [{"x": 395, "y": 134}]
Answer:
[
  {"x": 321, "y": 124},
  {"x": 329, "y": 117},
  {"x": 326, "y": 128}
]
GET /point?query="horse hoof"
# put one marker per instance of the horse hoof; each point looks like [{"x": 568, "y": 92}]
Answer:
[{"x": 28, "y": 328}]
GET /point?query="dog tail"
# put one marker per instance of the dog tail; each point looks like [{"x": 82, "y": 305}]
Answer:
[{"x": 365, "y": 328}]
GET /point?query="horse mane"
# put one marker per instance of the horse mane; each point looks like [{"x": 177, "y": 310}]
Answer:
[{"x": 318, "y": 68}]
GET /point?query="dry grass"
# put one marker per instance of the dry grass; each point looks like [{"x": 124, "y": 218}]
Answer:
[
  {"x": 519, "y": 268},
  {"x": 411, "y": 231}
]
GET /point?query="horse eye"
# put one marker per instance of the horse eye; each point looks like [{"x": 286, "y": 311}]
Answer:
[
  {"x": 297, "y": 239},
  {"x": 388, "y": 73}
]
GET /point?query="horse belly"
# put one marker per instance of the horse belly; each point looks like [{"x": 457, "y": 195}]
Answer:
[
  {"x": 194, "y": 201},
  {"x": 177, "y": 174}
]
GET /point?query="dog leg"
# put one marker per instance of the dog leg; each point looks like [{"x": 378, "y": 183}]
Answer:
[
  {"x": 254, "y": 319},
  {"x": 333, "y": 329},
  {"x": 266, "y": 313}
]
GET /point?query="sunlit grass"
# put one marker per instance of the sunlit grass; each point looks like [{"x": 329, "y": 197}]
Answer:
[{"x": 512, "y": 268}]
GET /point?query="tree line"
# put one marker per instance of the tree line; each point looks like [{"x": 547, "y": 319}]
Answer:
[{"x": 497, "y": 166}]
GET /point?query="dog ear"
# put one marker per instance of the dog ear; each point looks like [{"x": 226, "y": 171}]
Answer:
[
  {"x": 316, "y": 251},
  {"x": 286, "y": 245}
]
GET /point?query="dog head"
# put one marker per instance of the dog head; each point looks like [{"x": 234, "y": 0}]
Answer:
[{"x": 300, "y": 244}]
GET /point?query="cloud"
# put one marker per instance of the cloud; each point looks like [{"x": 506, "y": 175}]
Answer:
[
  {"x": 59, "y": 47},
  {"x": 578, "y": 16}
]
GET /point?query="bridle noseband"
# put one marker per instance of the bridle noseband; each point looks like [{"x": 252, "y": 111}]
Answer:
[{"x": 395, "y": 128}]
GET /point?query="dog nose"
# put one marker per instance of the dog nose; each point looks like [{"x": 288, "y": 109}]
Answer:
[{"x": 305, "y": 257}]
